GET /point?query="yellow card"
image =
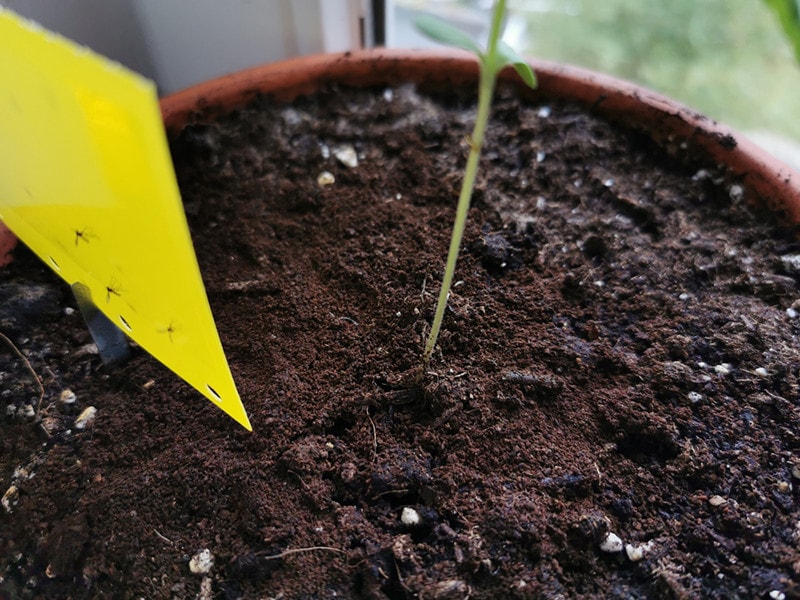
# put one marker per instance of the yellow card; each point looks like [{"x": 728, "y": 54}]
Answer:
[{"x": 86, "y": 181}]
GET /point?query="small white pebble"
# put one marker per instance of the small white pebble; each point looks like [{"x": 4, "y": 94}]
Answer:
[
  {"x": 544, "y": 112},
  {"x": 67, "y": 397},
  {"x": 723, "y": 369},
  {"x": 22, "y": 473},
  {"x": 637, "y": 553},
  {"x": 69, "y": 311},
  {"x": 86, "y": 418},
  {"x": 325, "y": 178},
  {"x": 736, "y": 192},
  {"x": 694, "y": 397},
  {"x": 612, "y": 543},
  {"x": 761, "y": 372},
  {"x": 388, "y": 94},
  {"x": 684, "y": 296},
  {"x": 599, "y": 283},
  {"x": 206, "y": 589},
  {"x": 541, "y": 203},
  {"x": 50, "y": 424},
  {"x": 410, "y": 517},
  {"x": 346, "y": 154},
  {"x": 791, "y": 313},
  {"x": 201, "y": 563},
  {"x": 292, "y": 116},
  {"x": 398, "y": 196},
  {"x": 702, "y": 364},
  {"x": 634, "y": 553},
  {"x": 10, "y": 498},
  {"x": 325, "y": 151},
  {"x": 791, "y": 262},
  {"x": 609, "y": 182},
  {"x": 90, "y": 348},
  {"x": 777, "y": 595},
  {"x": 28, "y": 411},
  {"x": 540, "y": 156},
  {"x": 449, "y": 588},
  {"x": 717, "y": 501}
]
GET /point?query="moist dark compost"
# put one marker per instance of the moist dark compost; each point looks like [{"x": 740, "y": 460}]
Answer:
[{"x": 612, "y": 411}]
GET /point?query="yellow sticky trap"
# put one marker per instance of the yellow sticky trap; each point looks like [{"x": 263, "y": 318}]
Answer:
[{"x": 86, "y": 181}]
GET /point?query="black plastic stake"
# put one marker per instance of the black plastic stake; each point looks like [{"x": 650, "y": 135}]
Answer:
[{"x": 112, "y": 344}]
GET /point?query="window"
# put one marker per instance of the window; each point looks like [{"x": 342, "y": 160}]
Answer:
[{"x": 725, "y": 58}]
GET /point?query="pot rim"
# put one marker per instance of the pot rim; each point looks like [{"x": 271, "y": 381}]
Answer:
[{"x": 767, "y": 180}]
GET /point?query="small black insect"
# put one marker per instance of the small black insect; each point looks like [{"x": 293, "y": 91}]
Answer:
[
  {"x": 113, "y": 289},
  {"x": 83, "y": 235}
]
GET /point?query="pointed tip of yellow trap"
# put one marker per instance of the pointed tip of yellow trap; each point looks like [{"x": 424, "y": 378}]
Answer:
[{"x": 86, "y": 181}]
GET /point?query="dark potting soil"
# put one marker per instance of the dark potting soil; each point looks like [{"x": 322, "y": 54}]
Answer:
[{"x": 612, "y": 412}]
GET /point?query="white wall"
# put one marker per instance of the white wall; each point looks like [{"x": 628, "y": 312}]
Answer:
[
  {"x": 195, "y": 40},
  {"x": 109, "y": 27},
  {"x": 182, "y": 42}
]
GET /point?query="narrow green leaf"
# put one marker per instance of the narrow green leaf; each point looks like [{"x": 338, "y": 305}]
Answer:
[
  {"x": 509, "y": 56},
  {"x": 444, "y": 33},
  {"x": 788, "y": 13}
]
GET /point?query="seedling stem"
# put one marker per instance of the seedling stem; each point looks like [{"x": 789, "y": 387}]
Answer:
[{"x": 496, "y": 57}]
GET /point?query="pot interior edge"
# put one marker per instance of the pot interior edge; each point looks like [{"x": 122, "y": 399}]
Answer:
[{"x": 670, "y": 124}]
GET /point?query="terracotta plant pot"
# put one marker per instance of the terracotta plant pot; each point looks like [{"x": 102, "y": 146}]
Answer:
[
  {"x": 8, "y": 242},
  {"x": 583, "y": 433},
  {"x": 667, "y": 121}
]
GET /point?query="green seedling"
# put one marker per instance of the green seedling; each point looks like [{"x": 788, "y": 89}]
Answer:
[
  {"x": 494, "y": 59},
  {"x": 788, "y": 13}
]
